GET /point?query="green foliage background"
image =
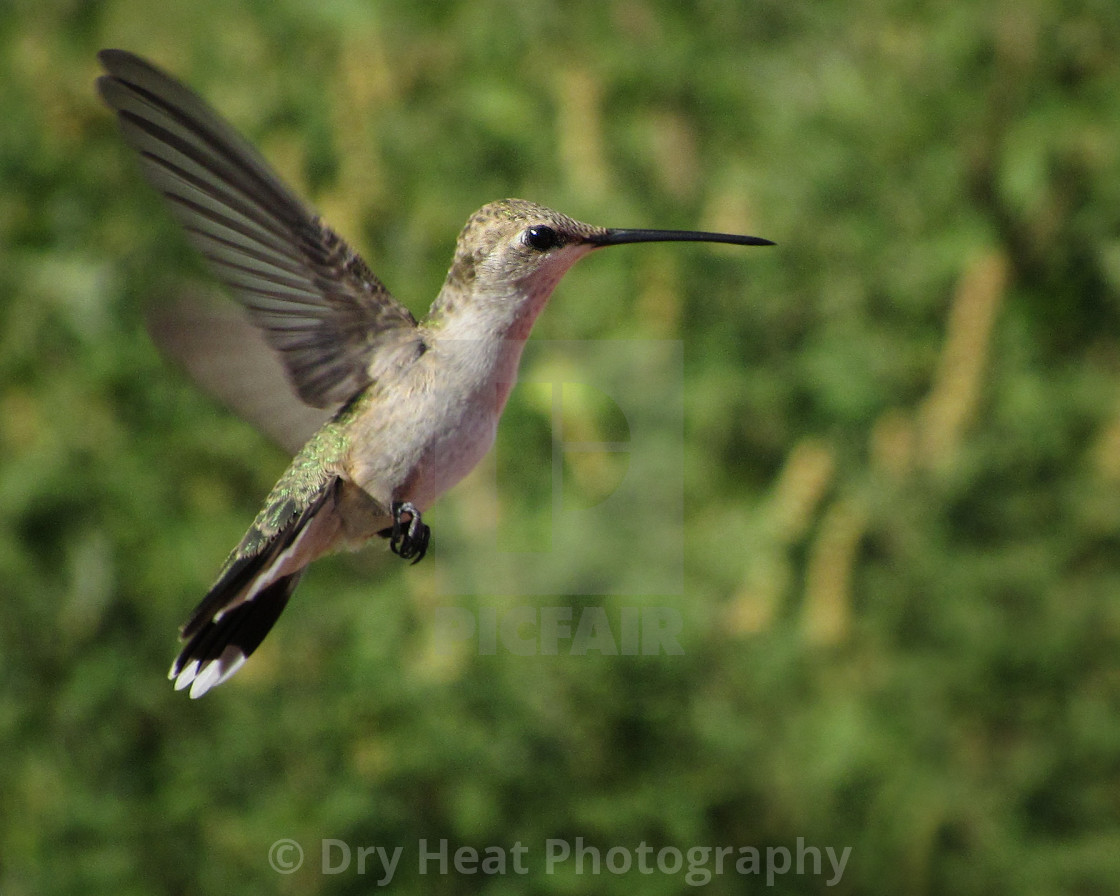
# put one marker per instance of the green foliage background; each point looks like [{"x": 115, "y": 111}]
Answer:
[{"x": 901, "y": 591}]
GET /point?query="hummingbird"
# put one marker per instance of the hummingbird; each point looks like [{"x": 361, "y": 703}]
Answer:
[{"x": 410, "y": 406}]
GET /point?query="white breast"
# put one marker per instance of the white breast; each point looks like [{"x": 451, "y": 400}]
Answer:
[{"x": 432, "y": 427}]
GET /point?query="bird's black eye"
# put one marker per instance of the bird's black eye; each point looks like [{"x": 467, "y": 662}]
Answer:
[{"x": 541, "y": 237}]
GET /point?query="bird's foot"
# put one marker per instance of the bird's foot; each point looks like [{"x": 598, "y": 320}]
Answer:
[{"x": 409, "y": 541}]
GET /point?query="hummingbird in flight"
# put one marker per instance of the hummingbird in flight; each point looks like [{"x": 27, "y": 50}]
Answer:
[{"x": 413, "y": 405}]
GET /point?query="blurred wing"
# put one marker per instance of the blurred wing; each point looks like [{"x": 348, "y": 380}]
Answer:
[
  {"x": 317, "y": 302},
  {"x": 229, "y": 357}
]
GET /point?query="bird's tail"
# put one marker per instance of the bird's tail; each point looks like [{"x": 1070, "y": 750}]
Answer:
[
  {"x": 222, "y": 644},
  {"x": 252, "y": 591}
]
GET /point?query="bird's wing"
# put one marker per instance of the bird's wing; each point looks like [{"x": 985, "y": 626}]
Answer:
[
  {"x": 229, "y": 357},
  {"x": 317, "y": 302}
]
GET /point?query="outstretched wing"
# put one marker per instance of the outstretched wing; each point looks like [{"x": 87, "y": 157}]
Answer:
[
  {"x": 220, "y": 348},
  {"x": 317, "y": 302}
]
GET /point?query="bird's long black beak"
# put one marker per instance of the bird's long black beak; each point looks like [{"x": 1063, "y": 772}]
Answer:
[{"x": 613, "y": 237}]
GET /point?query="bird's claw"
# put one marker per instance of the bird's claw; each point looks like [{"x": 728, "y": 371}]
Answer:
[{"x": 408, "y": 541}]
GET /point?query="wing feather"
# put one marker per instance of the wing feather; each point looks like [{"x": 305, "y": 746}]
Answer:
[{"x": 316, "y": 301}]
